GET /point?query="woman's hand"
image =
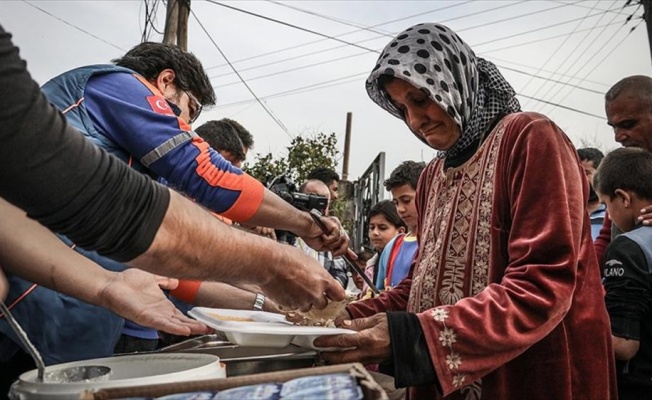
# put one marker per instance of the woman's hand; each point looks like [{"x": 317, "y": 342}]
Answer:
[{"x": 370, "y": 345}]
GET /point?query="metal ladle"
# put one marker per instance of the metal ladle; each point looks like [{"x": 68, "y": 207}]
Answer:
[{"x": 64, "y": 375}]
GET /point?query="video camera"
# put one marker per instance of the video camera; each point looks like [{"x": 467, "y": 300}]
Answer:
[{"x": 284, "y": 188}]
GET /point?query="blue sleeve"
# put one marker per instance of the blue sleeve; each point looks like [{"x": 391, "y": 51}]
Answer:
[
  {"x": 382, "y": 264},
  {"x": 134, "y": 114}
]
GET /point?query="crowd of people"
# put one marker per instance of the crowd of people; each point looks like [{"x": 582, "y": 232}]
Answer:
[{"x": 510, "y": 266}]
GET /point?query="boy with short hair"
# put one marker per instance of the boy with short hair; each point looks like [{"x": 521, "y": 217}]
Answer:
[
  {"x": 397, "y": 257},
  {"x": 624, "y": 184}
]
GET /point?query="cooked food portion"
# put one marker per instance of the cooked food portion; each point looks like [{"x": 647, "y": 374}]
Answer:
[
  {"x": 229, "y": 317},
  {"x": 324, "y": 317}
]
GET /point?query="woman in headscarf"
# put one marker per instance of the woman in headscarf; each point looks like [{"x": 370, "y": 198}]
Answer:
[{"x": 504, "y": 300}]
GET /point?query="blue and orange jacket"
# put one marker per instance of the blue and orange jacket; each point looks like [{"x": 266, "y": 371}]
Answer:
[{"x": 121, "y": 112}]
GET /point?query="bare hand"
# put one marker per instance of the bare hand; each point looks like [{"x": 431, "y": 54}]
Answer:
[
  {"x": 271, "y": 306},
  {"x": 344, "y": 316},
  {"x": 166, "y": 283},
  {"x": 265, "y": 232},
  {"x": 335, "y": 239},
  {"x": 301, "y": 282},
  {"x": 646, "y": 215},
  {"x": 370, "y": 345},
  {"x": 136, "y": 296}
]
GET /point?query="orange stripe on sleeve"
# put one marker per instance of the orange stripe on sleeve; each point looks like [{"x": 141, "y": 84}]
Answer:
[
  {"x": 251, "y": 191},
  {"x": 186, "y": 291}
]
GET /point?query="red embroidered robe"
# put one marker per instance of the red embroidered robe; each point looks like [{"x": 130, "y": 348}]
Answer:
[{"x": 506, "y": 283}]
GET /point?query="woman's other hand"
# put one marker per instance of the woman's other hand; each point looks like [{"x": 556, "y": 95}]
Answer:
[{"x": 370, "y": 345}]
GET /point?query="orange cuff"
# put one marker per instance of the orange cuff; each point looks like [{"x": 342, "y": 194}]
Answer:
[{"x": 186, "y": 291}]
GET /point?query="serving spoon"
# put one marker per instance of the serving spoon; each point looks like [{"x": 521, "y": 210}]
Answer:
[{"x": 64, "y": 375}]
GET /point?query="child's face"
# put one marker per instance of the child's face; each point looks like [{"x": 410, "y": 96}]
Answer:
[
  {"x": 621, "y": 212},
  {"x": 405, "y": 205},
  {"x": 381, "y": 231}
]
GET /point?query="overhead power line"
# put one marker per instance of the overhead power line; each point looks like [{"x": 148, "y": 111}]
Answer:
[
  {"x": 345, "y": 34},
  {"x": 562, "y": 106},
  {"x": 617, "y": 46},
  {"x": 74, "y": 26},
  {"x": 576, "y": 57},
  {"x": 290, "y": 25},
  {"x": 355, "y": 79},
  {"x": 278, "y": 121},
  {"x": 556, "y": 51},
  {"x": 511, "y": 46},
  {"x": 502, "y": 67},
  {"x": 598, "y": 51},
  {"x": 322, "y": 51}
]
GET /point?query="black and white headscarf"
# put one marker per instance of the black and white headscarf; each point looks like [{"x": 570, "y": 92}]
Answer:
[{"x": 433, "y": 58}]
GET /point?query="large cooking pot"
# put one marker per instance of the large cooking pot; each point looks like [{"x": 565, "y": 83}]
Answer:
[{"x": 130, "y": 370}]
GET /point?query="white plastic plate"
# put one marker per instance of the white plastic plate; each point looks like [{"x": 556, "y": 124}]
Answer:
[{"x": 261, "y": 329}]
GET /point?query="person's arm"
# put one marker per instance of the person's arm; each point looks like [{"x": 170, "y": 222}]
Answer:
[
  {"x": 62, "y": 180},
  {"x": 221, "y": 295},
  {"x": 628, "y": 294},
  {"x": 285, "y": 274},
  {"x": 29, "y": 250},
  {"x": 66, "y": 181},
  {"x": 122, "y": 107}
]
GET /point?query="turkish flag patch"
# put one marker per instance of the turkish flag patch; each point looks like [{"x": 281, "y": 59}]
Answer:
[{"x": 160, "y": 105}]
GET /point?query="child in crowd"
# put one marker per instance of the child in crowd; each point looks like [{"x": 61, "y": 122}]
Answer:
[
  {"x": 623, "y": 184},
  {"x": 397, "y": 257},
  {"x": 384, "y": 224}
]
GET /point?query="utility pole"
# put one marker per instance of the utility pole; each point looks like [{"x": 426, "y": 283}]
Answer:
[
  {"x": 347, "y": 147},
  {"x": 647, "y": 9},
  {"x": 182, "y": 33},
  {"x": 176, "y": 23}
]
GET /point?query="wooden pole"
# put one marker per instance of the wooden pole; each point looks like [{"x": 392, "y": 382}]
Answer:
[
  {"x": 171, "y": 22},
  {"x": 347, "y": 147},
  {"x": 182, "y": 33},
  {"x": 647, "y": 10}
]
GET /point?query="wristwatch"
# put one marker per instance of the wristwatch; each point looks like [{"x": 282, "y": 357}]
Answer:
[{"x": 258, "y": 303}]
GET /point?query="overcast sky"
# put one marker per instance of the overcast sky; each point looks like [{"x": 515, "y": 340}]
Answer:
[{"x": 562, "y": 52}]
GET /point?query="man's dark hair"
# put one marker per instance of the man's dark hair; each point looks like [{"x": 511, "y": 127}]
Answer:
[
  {"x": 590, "y": 154},
  {"x": 387, "y": 208},
  {"x": 324, "y": 174},
  {"x": 407, "y": 173},
  {"x": 222, "y": 136},
  {"x": 149, "y": 59},
  {"x": 244, "y": 135},
  {"x": 627, "y": 168}
]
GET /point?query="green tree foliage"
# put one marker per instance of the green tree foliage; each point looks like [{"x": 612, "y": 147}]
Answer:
[{"x": 303, "y": 155}]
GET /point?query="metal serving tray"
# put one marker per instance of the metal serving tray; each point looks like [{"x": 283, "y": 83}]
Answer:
[{"x": 247, "y": 360}]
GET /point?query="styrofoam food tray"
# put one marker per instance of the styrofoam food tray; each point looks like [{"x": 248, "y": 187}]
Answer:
[{"x": 263, "y": 329}]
